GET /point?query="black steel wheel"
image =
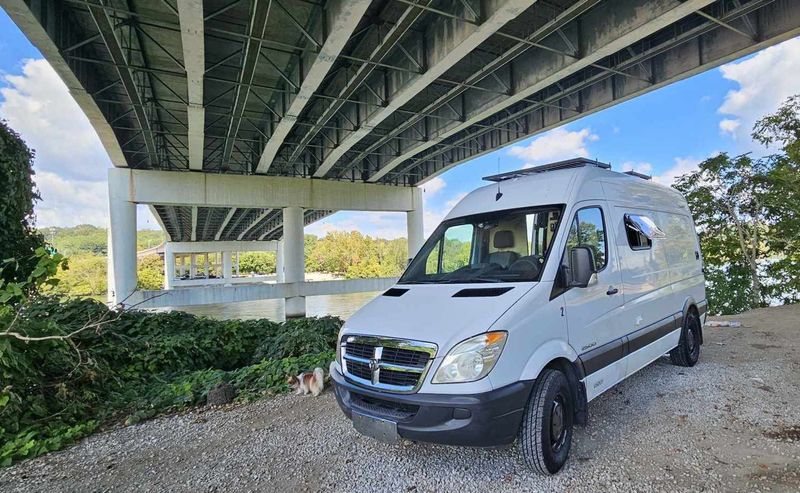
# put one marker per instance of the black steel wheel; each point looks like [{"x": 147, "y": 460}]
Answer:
[
  {"x": 687, "y": 352},
  {"x": 546, "y": 432}
]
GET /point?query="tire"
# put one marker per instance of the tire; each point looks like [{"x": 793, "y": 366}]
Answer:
[
  {"x": 546, "y": 432},
  {"x": 687, "y": 352}
]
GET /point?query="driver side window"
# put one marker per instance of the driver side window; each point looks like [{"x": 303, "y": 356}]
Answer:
[{"x": 588, "y": 229}]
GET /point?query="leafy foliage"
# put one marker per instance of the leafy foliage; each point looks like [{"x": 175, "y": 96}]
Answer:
[
  {"x": 355, "y": 255},
  {"x": 257, "y": 262},
  {"x": 18, "y": 239},
  {"x": 133, "y": 365},
  {"x": 150, "y": 272},
  {"x": 88, "y": 239},
  {"x": 747, "y": 211}
]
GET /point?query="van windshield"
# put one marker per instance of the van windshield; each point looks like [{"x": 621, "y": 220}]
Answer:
[{"x": 500, "y": 246}]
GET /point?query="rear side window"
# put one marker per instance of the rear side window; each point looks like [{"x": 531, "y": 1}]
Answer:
[{"x": 641, "y": 231}]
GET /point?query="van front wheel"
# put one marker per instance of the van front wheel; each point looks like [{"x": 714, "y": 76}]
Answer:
[
  {"x": 687, "y": 352},
  {"x": 546, "y": 432}
]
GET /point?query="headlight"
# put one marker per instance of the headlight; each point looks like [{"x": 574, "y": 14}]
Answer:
[
  {"x": 339, "y": 351},
  {"x": 472, "y": 359}
]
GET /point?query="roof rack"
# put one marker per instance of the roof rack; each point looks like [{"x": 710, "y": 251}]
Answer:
[
  {"x": 638, "y": 175},
  {"x": 569, "y": 163}
]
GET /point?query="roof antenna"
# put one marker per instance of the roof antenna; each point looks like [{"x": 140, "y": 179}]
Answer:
[{"x": 499, "y": 193}]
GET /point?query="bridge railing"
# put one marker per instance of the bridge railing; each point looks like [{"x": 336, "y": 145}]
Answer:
[{"x": 162, "y": 298}]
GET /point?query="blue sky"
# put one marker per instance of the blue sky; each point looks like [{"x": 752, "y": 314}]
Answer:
[{"x": 664, "y": 133}]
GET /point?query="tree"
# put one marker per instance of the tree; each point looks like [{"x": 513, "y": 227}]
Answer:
[
  {"x": 747, "y": 211},
  {"x": 86, "y": 276},
  {"x": 257, "y": 262},
  {"x": 150, "y": 272},
  {"x": 19, "y": 240}
]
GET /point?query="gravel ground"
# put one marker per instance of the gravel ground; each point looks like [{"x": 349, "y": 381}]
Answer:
[{"x": 731, "y": 423}]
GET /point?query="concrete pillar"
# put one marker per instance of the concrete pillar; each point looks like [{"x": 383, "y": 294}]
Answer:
[
  {"x": 169, "y": 266},
  {"x": 279, "y": 263},
  {"x": 293, "y": 258},
  {"x": 122, "y": 276},
  {"x": 192, "y": 266},
  {"x": 415, "y": 225},
  {"x": 227, "y": 267},
  {"x": 206, "y": 265}
]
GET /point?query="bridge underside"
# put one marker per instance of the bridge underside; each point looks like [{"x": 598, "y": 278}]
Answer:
[
  {"x": 385, "y": 91},
  {"x": 223, "y": 111}
]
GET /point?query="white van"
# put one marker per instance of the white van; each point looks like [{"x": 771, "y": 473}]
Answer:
[{"x": 535, "y": 295}]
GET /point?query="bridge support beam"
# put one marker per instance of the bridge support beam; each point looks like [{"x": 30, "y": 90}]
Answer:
[
  {"x": 293, "y": 259},
  {"x": 227, "y": 266},
  {"x": 415, "y": 225},
  {"x": 122, "y": 276},
  {"x": 169, "y": 265},
  {"x": 279, "y": 263}
]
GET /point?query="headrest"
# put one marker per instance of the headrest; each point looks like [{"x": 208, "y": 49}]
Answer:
[{"x": 504, "y": 239}]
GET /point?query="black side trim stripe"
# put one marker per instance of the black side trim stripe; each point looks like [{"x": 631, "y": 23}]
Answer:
[
  {"x": 610, "y": 353},
  {"x": 599, "y": 358},
  {"x": 642, "y": 337}
]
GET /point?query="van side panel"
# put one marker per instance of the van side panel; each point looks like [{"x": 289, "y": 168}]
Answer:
[
  {"x": 605, "y": 378},
  {"x": 646, "y": 283},
  {"x": 683, "y": 256}
]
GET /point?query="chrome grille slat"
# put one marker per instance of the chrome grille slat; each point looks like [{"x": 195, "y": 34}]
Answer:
[{"x": 394, "y": 365}]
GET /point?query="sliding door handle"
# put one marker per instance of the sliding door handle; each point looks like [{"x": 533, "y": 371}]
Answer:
[{"x": 612, "y": 290}]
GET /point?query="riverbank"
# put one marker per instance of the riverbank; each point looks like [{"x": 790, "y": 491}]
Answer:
[{"x": 731, "y": 423}]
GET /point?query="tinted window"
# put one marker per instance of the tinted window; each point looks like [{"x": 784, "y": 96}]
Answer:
[
  {"x": 587, "y": 229},
  {"x": 499, "y": 246}
]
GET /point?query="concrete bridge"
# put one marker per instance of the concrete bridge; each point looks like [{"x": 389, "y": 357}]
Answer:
[{"x": 241, "y": 121}]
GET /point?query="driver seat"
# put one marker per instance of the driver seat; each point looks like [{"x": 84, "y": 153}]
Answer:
[{"x": 503, "y": 239}]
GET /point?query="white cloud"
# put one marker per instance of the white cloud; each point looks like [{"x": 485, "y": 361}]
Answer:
[
  {"x": 70, "y": 161},
  {"x": 556, "y": 145},
  {"x": 70, "y": 202},
  {"x": 729, "y": 126},
  {"x": 38, "y": 105},
  {"x": 765, "y": 80},
  {"x": 682, "y": 166},
  {"x": 433, "y": 186}
]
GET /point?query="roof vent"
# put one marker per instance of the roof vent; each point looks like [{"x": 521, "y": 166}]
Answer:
[
  {"x": 638, "y": 175},
  {"x": 569, "y": 163}
]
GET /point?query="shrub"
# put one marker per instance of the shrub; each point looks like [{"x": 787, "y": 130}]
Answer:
[{"x": 133, "y": 365}]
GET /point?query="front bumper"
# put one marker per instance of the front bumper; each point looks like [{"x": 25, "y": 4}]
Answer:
[{"x": 476, "y": 420}]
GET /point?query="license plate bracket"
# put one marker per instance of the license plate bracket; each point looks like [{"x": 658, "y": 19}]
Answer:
[{"x": 382, "y": 430}]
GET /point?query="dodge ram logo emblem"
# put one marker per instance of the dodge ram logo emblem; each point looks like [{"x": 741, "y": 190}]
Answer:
[{"x": 373, "y": 365}]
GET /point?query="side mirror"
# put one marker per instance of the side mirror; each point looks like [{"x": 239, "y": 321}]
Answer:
[{"x": 582, "y": 266}]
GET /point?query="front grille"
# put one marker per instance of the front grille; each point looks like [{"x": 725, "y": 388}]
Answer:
[
  {"x": 360, "y": 350},
  {"x": 395, "y": 365},
  {"x": 402, "y": 378},
  {"x": 360, "y": 370},
  {"x": 405, "y": 357}
]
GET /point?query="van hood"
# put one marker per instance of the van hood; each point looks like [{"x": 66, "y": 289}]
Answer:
[{"x": 431, "y": 313}]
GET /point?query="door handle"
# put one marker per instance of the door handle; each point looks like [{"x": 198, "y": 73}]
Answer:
[{"x": 612, "y": 290}]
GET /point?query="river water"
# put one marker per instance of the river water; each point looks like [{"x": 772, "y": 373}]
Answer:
[{"x": 340, "y": 305}]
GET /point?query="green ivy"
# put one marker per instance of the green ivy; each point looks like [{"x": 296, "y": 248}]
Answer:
[{"x": 134, "y": 365}]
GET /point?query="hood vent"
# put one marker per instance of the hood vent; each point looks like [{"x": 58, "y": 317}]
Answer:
[
  {"x": 395, "y": 292},
  {"x": 481, "y": 292}
]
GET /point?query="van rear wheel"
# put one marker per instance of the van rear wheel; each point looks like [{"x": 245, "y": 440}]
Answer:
[
  {"x": 546, "y": 432},
  {"x": 687, "y": 352}
]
